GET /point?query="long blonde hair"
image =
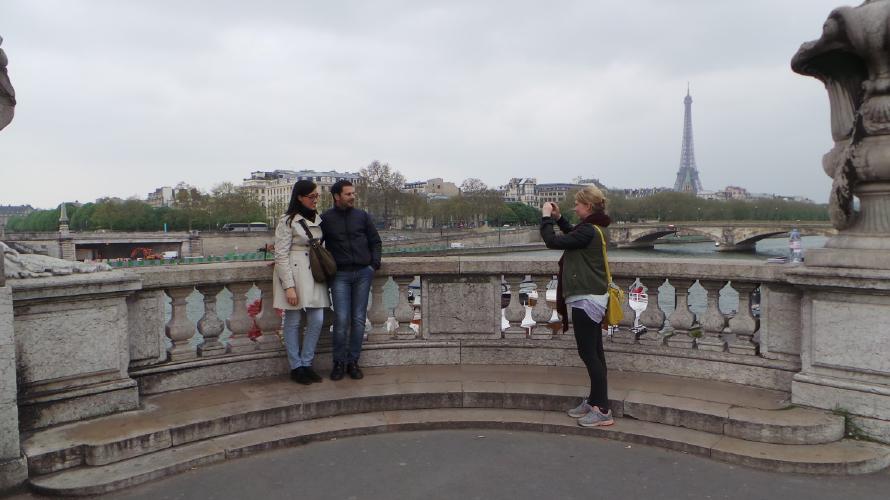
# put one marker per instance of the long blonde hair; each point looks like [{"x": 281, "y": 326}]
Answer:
[{"x": 591, "y": 195}]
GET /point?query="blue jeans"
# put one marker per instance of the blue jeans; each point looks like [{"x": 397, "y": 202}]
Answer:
[
  {"x": 291, "y": 329},
  {"x": 349, "y": 293}
]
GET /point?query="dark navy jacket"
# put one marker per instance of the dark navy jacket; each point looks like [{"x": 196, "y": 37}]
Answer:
[{"x": 351, "y": 237}]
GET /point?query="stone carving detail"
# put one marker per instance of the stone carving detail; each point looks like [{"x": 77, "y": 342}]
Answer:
[
  {"x": 7, "y": 93},
  {"x": 850, "y": 58},
  {"x": 17, "y": 265}
]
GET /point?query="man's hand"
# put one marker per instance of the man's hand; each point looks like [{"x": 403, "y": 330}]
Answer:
[
  {"x": 546, "y": 209},
  {"x": 292, "y": 297}
]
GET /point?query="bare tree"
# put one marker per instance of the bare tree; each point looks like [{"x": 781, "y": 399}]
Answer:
[
  {"x": 472, "y": 186},
  {"x": 379, "y": 188}
]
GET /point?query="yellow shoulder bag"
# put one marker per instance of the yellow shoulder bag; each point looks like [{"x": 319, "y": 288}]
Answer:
[{"x": 614, "y": 312}]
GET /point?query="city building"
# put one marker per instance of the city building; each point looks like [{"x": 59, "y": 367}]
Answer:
[
  {"x": 521, "y": 190},
  {"x": 273, "y": 189},
  {"x": 641, "y": 192},
  {"x": 166, "y": 196},
  {"x": 555, "y": 192},
  {"x": 437, "y": 188},
  {"x": 9, "y": 211},
  {"x": 687, "y": 177}
]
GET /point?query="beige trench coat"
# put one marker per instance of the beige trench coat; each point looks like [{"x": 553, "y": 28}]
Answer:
[{"x": 292, "y": 265}]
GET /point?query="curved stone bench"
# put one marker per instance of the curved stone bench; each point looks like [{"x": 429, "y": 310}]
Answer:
[{"x": 180, "y": 430}]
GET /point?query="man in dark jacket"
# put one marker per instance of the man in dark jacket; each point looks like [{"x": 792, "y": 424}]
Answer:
[{"x": 350, "y": 235}]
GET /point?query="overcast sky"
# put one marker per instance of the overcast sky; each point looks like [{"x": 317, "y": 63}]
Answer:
[{"x": 117, "y": 98}]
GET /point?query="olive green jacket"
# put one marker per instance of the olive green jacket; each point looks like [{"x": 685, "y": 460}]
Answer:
[{"x": 583, "y": 269}]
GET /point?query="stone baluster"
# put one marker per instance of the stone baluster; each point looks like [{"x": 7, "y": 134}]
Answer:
[
  {"x": 179, "y": 329},
  {"x": 377, "y": 313},
  {"x": 515, "y": 311},
  {"x": 682, "y": 320},
  {"x": 210, "y": 326},
  {"x": 653, "y": 317},
  {"x": 268, "y": 319},
  {"x": 713, "y": 321},
  {"x": 240, "y": 322},
  {"x": 404, "y": 313},
  {"x": 623, "y": 334},
  {"x": 541, "y": 312},
  {"x": 743, "y": 325}
]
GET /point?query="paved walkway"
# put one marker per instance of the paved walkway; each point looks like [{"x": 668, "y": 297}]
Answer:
[{"x": 492, "y": 464}]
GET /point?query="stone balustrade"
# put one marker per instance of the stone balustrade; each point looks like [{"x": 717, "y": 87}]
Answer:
[{"x": 175, "y": 327}]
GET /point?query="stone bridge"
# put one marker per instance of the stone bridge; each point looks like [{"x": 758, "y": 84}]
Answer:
[{"x": 728, "y": 236}]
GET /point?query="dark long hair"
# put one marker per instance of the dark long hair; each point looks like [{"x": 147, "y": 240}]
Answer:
[{"x": 301, "y": 188}]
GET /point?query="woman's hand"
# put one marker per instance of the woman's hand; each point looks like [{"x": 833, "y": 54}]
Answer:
[
  {"x": 292, "y": 297},
  {"x": 555, "y": 211},
  {"x": 546, "y": 209}
]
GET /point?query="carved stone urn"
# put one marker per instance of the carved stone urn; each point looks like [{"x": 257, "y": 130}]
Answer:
[{"x": 852, "y": 59}]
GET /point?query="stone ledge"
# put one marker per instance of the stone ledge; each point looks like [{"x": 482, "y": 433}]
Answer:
[
  {"x": 179, "y": 418},
  {"x": 559, "y": 351},
  {"x": 843, "y": 457}
]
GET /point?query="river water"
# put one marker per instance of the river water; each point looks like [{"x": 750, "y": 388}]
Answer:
[{"x": 697, "y": 296}]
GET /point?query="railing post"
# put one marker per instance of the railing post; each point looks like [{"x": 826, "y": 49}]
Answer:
[
  {"x": 268, "y": 321},
  {"x": 515, "y": 312},
  {"x": 179, "y": 329},
  {"x": 653, "y": 317},
  {"x": 210, "y": 326},
  {"x": 713, "y": 322},
  {"x": 240, "y": 322},
  {"x": 377, "y": 313},
  {"x": 743, "y": 325},
  {"x": 682, "y": 320},
  {"x": 404, "y": 313},
  {"x": 542, "y": 313},
  {"x": 623, "y": 334}
]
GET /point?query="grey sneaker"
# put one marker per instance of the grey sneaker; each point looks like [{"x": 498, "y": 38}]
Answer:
[
  {"x": 581, "y": 410},
  {"x": 596, "y": 419}
]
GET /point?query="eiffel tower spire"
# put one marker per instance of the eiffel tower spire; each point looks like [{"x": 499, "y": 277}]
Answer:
[{"x": 687, "y": 177}]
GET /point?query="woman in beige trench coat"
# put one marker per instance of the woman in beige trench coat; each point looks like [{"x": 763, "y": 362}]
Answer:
[{"x": 294, "y": 289}]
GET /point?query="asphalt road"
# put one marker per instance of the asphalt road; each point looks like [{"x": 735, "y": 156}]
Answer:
[{"x": 467, "y": 465}]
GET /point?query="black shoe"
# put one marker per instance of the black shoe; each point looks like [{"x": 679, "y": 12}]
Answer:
[
  {"x": 354, "y": 371},
  {"x": 337, "y": 372},
  {"x": 313, "y": 376},
  {"x": 299, "y": 376}
]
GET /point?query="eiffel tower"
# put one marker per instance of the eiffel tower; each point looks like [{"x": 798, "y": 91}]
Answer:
[{"x": 687, "y": 177}]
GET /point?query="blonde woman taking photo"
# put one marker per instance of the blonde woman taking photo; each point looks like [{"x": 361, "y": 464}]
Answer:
[{"x": 582, "y": 287}]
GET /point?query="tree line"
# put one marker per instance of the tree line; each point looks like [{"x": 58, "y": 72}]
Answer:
[
  {"x": 380, "y": 192},
  {"x": 192, "y": 209}
]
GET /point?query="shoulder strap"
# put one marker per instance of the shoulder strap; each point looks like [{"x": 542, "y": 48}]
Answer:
[
  {"x": 605, "y": 257},
  {"x": 306, "y": 228}
]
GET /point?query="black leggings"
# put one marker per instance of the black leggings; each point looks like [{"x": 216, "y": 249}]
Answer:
[{"x": 589, "y": 337}]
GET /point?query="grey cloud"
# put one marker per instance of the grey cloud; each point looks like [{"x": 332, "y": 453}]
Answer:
[{"x": 143, "y": 94}]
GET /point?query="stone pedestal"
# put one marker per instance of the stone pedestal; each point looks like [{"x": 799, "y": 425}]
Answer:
[
  {"x": 845, "y": 345},
  {"x": 13, "y": 468},
  {"x": 72, "y": 347},
  {"x": 145, "y": 315},
  {"x": 461, "y": 307}
]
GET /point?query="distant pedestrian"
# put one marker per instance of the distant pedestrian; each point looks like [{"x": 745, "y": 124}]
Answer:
[
  {"x": 351, "y": 237},
  {"x": 294, "y": 289},
  {"x": 582, "y": 286}
]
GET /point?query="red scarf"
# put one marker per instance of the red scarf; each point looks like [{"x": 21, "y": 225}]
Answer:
[{"x": 601, "y": 220}]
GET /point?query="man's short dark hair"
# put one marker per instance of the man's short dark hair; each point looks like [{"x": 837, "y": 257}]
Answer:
[{"x": 338, "y": 186}]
